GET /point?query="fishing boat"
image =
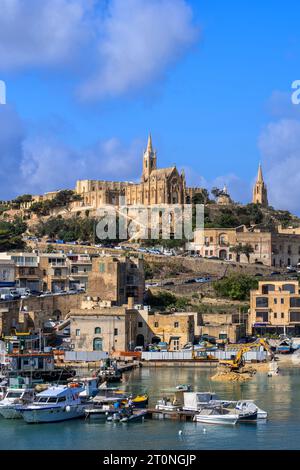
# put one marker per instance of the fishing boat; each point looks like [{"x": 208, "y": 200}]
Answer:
[
  {"x": 58, "y": 403},
  {"x": 216, "y": 415},
  {"x": 140, "y": 401},
  {"x": 14, "y": 400}
]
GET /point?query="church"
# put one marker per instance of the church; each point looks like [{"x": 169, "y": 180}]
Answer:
[{"x": 157, "y": 186}]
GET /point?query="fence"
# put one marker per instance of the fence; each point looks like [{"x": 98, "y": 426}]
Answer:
[
  {"x": 82, "y": 356},
  {"x": 259, "y": 355}
]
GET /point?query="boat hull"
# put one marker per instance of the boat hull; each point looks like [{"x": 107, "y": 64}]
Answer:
[
  {"x": 10, "y": 412},
  {"x": 53, "y": 415},
  {"x": 216, "y": 419}
]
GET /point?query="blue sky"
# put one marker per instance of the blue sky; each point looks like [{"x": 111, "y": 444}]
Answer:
[{"x": 87, "y": 80}]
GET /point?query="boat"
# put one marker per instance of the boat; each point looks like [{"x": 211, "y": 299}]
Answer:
[
  {"x": 242, "y": 404},
  {"x": 102, "y": 408},
  {"x": 284, "y": 346},
  {"x": 136, "y": 415},
  {"x": 247, "y": 411},
  {"x": 14, "y": 400},
  {"x": 216, "y": 415},
  {"x": 140, "y": 401},
  {"x": 126, "y": 415},
  {"x": 58, "y": 403}
]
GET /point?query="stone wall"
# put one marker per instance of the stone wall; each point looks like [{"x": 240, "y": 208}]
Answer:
[{"x": 39, "y": 310}]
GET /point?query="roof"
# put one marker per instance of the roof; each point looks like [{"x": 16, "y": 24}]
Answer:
[{"x": 162, "y": 172}]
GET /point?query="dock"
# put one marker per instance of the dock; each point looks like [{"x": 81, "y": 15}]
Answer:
[{"x": 179, "y": 415}]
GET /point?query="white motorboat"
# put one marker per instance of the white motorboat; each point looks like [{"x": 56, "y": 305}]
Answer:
[
  {"x": 103, "y": 407},
  {"x": 14, "y": 400},
  {"x": 216, "y": 415},
  {"x": 59, "y": 403}
]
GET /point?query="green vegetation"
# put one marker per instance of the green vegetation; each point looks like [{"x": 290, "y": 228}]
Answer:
[
  {"x": 166, "y": 300},
  {"x": 235, "y": 287},
  {"x": 11, "y": 235},
  {"x": 72, "y": 229},
  {"x": 62, "y": 199},
  {"x": 227, "y": 217}
]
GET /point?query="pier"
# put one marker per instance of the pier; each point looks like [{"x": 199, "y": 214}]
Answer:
[{"x": 178, "y": 415}]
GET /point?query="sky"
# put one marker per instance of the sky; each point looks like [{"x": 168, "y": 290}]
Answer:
[{"x": 87, "y": 80}]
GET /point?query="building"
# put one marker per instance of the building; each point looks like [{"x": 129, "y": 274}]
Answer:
[
  {"x": 115, "y": 279},
  {"x": 224, "y": 326},
  {"x": 174, "y": 328},
  {"x": 27, "y": 270},
  {"x": 80, "y": 265},
  {"x": 157, "y": 186},
  {"x": 275, "y": 308},
  {"x": 95, "y": 327},
  {"x": 224, "y": 198},
  {"x": 7, "y": 273},
  {"x": 270, "y": 246},
  {"x": 55, "y": 271},
  {"x": 260, "y": 195}
]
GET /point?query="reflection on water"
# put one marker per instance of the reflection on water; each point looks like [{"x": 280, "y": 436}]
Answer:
[{"x": 280, "y": 396}]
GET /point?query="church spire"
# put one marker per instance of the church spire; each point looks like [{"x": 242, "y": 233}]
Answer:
[
  {"x": 259, "y": 175},
  {"x": 260, "y": 195},
  {"x": 149, "y": 145}
]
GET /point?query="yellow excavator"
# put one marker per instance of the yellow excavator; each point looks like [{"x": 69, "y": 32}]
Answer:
[{"x": 238, "y": 361}]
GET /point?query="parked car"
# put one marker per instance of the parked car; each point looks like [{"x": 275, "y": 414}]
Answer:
[
  {"x": 169, "y": 283},
  {"x": 189, "y": 281},
  {"x": 275, "y": 273}
]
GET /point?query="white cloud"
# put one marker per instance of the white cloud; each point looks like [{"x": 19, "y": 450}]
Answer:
[
  {"x": 40, "y": 33},
  {"x": 279, "y": 144},
  {"x": 117, "y": 46},
  {"x": 139, "y": 39},
  {"x": 239, "y": 190}
]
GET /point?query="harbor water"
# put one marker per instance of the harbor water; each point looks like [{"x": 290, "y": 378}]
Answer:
[{"x": 279, "y": 396}]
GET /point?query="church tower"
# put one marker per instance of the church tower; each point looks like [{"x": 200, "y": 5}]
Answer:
[
  {"x": 149, "y": 160},
  {"x": 260, "y": 195}
]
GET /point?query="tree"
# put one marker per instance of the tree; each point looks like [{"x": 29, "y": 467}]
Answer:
[
  {"x": 201, "y": 197},
  {"x": 247, "y": 249},
  {"x": 216, "y": 192},
  {"x": 235, "y": 287},
  {"x": 237, "y": 249}
]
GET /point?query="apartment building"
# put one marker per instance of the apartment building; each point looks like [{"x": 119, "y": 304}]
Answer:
[
  {"x": 55, "y": 271},
  {"x": 80, "y": 265},
  {"x": 27, "y": 270},
  {"x": 7, "y": 273},
  {"x": 275, "y": 308}
]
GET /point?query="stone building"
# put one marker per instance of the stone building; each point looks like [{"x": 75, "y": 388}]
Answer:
[
  {"x": 157, "y": 186},
  {"x": 275, "y": 308},
  {"x": 116, "y": 279},
  {"x": 224, "y": 326},
  {"x": 103, "y": 328},
  {"x": 174, "y": 328},
  {"x": 260, "y": 195},
  {"x": 270, "y": 246},
  {"x": 224, "y": 198}
]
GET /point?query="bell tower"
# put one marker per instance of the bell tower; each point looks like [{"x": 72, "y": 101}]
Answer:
[
  {"x": 149, "y": 160},
  {"x": 260, "y": 195}
]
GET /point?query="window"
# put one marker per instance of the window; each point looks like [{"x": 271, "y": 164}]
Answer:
[
  {"x": 262, "y": 302},
  {"x": 282, "y": 315},
  {"x": 282, "y": 301},
  {"x": 156, "y": 324},
  {"x": 77, "y": 332},
  {"x": 295, "y": 316},
  {"x": 98, "y": 344},
  {"x": 140, "y": 324},
  {"x": 97, "y": 330},
  {"x": 116, "y": 331},
  {"x": 102, "y": 267},
  {"x": 275, "y": 314},
  {"x": 295, "y": 302},
  {"x": 176, "y": 324},
  {"x": 275, "y": 301},
  {"x": 289, "y": 288}
]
